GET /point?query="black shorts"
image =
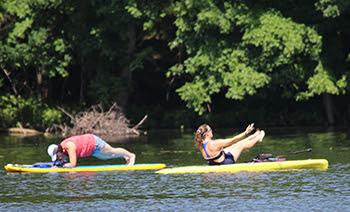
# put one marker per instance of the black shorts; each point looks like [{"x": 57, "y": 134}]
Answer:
[{"x": 229, "y": 159}]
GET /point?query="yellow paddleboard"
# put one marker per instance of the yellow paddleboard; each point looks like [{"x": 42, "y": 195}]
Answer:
[
  {"x": 321, "y": 164},
  {"x": 93, "y": 168}
]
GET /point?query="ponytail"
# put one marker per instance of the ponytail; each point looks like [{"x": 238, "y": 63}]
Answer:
[{"x": 199, "y": 136}]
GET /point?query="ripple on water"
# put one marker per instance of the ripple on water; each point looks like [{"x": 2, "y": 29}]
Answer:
[{"x": 145, "y": 190}]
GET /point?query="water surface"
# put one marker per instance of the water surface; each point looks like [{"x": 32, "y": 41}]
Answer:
[{"x": 145, "y": 190}]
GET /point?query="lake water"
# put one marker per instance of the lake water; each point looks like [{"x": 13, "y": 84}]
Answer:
[{"x": 146, "y": 191}]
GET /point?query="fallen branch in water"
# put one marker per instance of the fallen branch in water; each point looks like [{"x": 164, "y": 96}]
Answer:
[
  {"x": 23, "y": 131},
  {"x": 96, "y": 121},
  {"x": 134, "y": 129}
]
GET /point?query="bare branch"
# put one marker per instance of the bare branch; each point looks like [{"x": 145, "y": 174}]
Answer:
[
  {"x": 70, "y": 116},
  {"x": 139, "y": 124},
  {"x": 95, "y": 120}
]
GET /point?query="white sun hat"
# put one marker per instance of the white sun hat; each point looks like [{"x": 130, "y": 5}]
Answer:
[{"x": 52, "y": 151}]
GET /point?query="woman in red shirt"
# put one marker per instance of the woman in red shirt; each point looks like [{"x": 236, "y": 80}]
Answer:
[{"x": 85, "y": 145}]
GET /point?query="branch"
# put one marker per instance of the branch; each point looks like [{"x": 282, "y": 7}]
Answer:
[
  {"x": 9, "y": 78},
  {"x": 136, "y": 126},
  {"x": 70, "y": 116}
]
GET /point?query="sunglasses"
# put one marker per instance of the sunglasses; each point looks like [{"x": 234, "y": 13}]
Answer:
[{"x": 203, "y": 135}]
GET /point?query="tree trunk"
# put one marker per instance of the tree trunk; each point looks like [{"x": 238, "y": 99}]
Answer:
[
  {"x": 329, "y": 108},
  {"x": 122, "y": 97},
  {"x": 82, "y": 79},
  {"x": 43, "y": 90}
]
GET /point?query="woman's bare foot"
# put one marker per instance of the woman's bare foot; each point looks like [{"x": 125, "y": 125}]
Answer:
[
  {"x": 261, "y": 135},
  {"x": 257, "y": 132},
  {"x": 131, "y": 160}
]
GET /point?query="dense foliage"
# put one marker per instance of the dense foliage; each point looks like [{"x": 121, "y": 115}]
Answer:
[{"x": 181, "y": 62}]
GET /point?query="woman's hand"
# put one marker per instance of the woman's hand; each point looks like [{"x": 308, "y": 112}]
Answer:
[
  {"x": 68, "y": 165},
  {"x": 249, "y": 129}
]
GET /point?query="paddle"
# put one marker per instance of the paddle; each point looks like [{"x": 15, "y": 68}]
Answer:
[{"x": 265, "y": 157}]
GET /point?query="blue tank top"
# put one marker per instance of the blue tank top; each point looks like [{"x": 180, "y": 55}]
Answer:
[{"x": 205, "y": 150}]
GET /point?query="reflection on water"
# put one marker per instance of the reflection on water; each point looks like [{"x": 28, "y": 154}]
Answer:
[{"x": 145, "y": 190}]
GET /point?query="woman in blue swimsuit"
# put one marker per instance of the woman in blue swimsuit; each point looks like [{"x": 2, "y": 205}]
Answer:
[{"x": 214, "y": 151}]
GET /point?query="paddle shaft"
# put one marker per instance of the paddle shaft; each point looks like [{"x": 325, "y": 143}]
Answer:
[
  {"x": 292, "y": 153},
  {"x": 262, "y": 157},
  {"x": 267, "y": 156}
]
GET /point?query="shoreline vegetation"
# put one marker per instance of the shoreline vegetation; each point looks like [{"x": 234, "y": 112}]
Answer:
[{"x": 183, "y": 63}]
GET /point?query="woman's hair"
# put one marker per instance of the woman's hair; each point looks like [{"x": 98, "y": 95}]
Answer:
[
  {"x": 59, "y": 148},
  {"x": 200, "y": 135}
]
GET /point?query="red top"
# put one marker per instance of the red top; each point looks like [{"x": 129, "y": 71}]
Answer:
[{"x": 85, "y": 144}]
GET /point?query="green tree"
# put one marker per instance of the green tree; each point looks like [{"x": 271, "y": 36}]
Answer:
[
  {"x": 97, "y": 52},
  {"x": 335, "y": 30},
  {"x": 241, "y": 47},
  {"x": 75, "y": 51},
  {"x": 32, "y": 47}
]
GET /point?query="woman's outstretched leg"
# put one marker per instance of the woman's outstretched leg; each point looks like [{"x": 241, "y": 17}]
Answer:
[
  {"x": 237, "y": 148},
  {"x": 255, "y": 137},
  {"x": 110, "y": 152}
]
